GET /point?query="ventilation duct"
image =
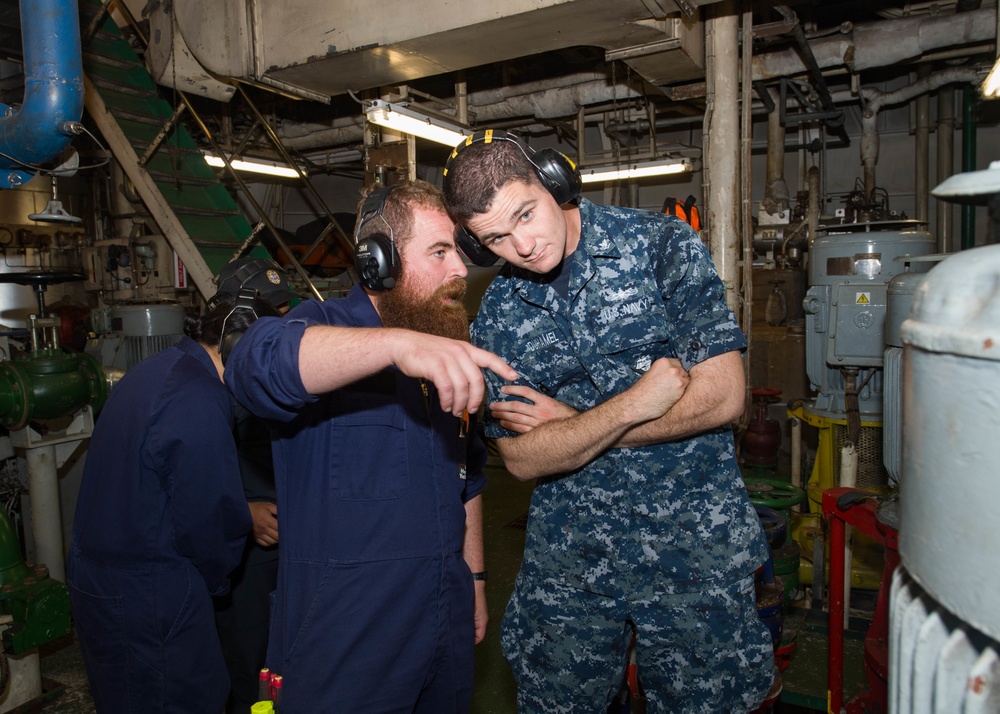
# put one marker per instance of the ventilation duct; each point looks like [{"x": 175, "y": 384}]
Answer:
[{"x": 342, "y": 45}]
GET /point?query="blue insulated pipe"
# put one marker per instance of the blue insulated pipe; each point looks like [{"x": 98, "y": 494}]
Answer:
[{"x": 49, "y": 117}]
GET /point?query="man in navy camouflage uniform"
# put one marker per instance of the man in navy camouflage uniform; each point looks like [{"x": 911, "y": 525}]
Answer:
[{"x": 630, "y": 376}]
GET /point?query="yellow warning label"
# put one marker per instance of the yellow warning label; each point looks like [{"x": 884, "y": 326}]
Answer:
[{"x": 863, "y": 299}]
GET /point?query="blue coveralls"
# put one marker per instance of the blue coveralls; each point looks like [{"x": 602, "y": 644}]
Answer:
[
  {"x": 160, "y": 521},
  {"x": 662, "y": 536},
  {"x": 243, "y": 616},
  {"x": 374, "y": 606}
]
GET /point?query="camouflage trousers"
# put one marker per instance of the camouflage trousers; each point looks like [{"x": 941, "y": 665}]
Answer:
[{"x": 704, "y": 651}]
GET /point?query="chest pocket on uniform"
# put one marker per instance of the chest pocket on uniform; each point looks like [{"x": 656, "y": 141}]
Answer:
[
  {"x": 631, "y": 324},
  {"x": 369, "y": 452},
  {"x": 547, "y": 360}
]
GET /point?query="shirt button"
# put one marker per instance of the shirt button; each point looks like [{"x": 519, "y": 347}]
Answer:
[
  {"x": 543, "y": 389},
  {"x": 695, "y": 345}
]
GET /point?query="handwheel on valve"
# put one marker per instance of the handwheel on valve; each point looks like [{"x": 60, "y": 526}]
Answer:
[{"x": 771, "y": 493}]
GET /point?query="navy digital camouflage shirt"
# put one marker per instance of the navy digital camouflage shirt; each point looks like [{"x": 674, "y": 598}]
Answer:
[{"x": 636, "y": 522}]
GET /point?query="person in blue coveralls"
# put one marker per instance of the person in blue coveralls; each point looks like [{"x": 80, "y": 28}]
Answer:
[
  {"x": 160, "y": 522},
  {"x": 242, "y": 615},
  {"x": 630, "y": 376},
  {"x": 371, "y": 400}
]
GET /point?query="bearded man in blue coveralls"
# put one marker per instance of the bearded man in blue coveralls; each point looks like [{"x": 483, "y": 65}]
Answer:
[
  {"x": 381, "y": 593},
  {"x": 630, "y": 376}
]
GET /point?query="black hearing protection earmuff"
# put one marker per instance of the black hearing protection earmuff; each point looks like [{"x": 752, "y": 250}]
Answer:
[
  {"x": 375, "y": 258},
  {"x": 231, "y": 334},
  {"x": 556, "y": 172},
  {"x": 474, "y": 250}
]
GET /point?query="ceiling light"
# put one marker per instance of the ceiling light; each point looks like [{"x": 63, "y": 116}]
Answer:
[
  {"x": 638, "y": 170},
  {"x": 271, "y": 168},
  {"x": 991, "y": 85},
  {"x": 407, "y": 121}
]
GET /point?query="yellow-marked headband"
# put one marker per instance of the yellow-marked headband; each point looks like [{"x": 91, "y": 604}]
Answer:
[{"x": 556, "y": 171}]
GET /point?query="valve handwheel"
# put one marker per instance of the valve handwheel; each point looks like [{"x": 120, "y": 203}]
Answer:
[
  {"x": 765, "y": 392},
  {"x": 40, "y": 280},
  {"x": 771, "y": 493}
]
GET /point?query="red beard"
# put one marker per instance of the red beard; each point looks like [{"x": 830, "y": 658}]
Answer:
[{"x": 398, "y": 307}]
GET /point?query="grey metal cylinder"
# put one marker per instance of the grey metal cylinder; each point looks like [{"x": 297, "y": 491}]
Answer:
[
  {"x": 148, "y": 320},
  {"x": 899, "y": 304},
  {"x": 147, "y": 329},
  {"x": 951, "y": 419},
  {"x": 849, "y": 273}
]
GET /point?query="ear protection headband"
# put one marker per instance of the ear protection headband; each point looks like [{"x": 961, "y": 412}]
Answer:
[
  {"x": 375, "y": 258},
  {"x": 230, "y": 333},
  {"x": 556, "y": 172}
]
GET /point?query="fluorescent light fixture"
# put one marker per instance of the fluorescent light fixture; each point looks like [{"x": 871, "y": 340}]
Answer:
[
  {"x": 639, "y": 170},
  {"x": 404, "y": 120},
  {"x": 991, "y": 85},
  {"x": 271, "y": 168}
]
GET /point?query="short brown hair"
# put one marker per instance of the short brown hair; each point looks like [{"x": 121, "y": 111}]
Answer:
[
  {"x": 477, "y": 171},
  {"x": 398, "y": 210}
]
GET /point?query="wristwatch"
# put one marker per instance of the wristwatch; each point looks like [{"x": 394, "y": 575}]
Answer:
[{"x": 479, "y": 576}]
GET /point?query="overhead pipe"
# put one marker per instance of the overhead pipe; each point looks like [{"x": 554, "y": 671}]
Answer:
[
  {"x": 535, "y": 99},
  {"x": 745, "y": 315},
  {"x": 49, "y": 116},
  {"x": 879, "y": 44},
  {"x": 776, "y": 197},
  {"x": 764, "y": 107},
  {"x": 921, "y": 140},
  {"x": 722, "y": 151},
  {"x": 969, "y": 99},
  {"x": 910, "y": 9},
  {"x": 875, "y": 99},
  {"x": 814, "y": 202},
  {"x": 945, "y": 164},
  {"x": 865, "y": 46},
  {"x": 836, "y": 123}
]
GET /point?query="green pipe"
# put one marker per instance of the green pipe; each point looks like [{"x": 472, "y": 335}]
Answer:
[
  {"x": 12, "y": 568},
  {"x": 969, "y": 105},
  {"x": 48, "y": 384}
]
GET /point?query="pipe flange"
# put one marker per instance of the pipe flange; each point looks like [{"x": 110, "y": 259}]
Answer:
[{"x": 22, "y": 404}]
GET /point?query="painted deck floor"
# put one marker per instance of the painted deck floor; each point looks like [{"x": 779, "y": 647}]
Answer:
[{"x": 505, "y": 516}]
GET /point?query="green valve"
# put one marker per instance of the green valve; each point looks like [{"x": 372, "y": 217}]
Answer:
[
  {"x": 771, "y": 493},
  {"x": 48, "y": 384},
  {"x": 38, "y": 605}
]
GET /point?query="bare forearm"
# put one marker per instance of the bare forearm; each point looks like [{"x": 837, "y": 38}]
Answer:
[
  {"x": 472, "y": 546},
  {"x": 714, "y": 398},
  {"x": 472, "y": 551},
  {"x": 567, "y": 444},
  {"x": 687, "y": 418}
]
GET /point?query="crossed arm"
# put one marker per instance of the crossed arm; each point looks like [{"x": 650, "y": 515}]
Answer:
[{"x": 666, "y": 404}]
